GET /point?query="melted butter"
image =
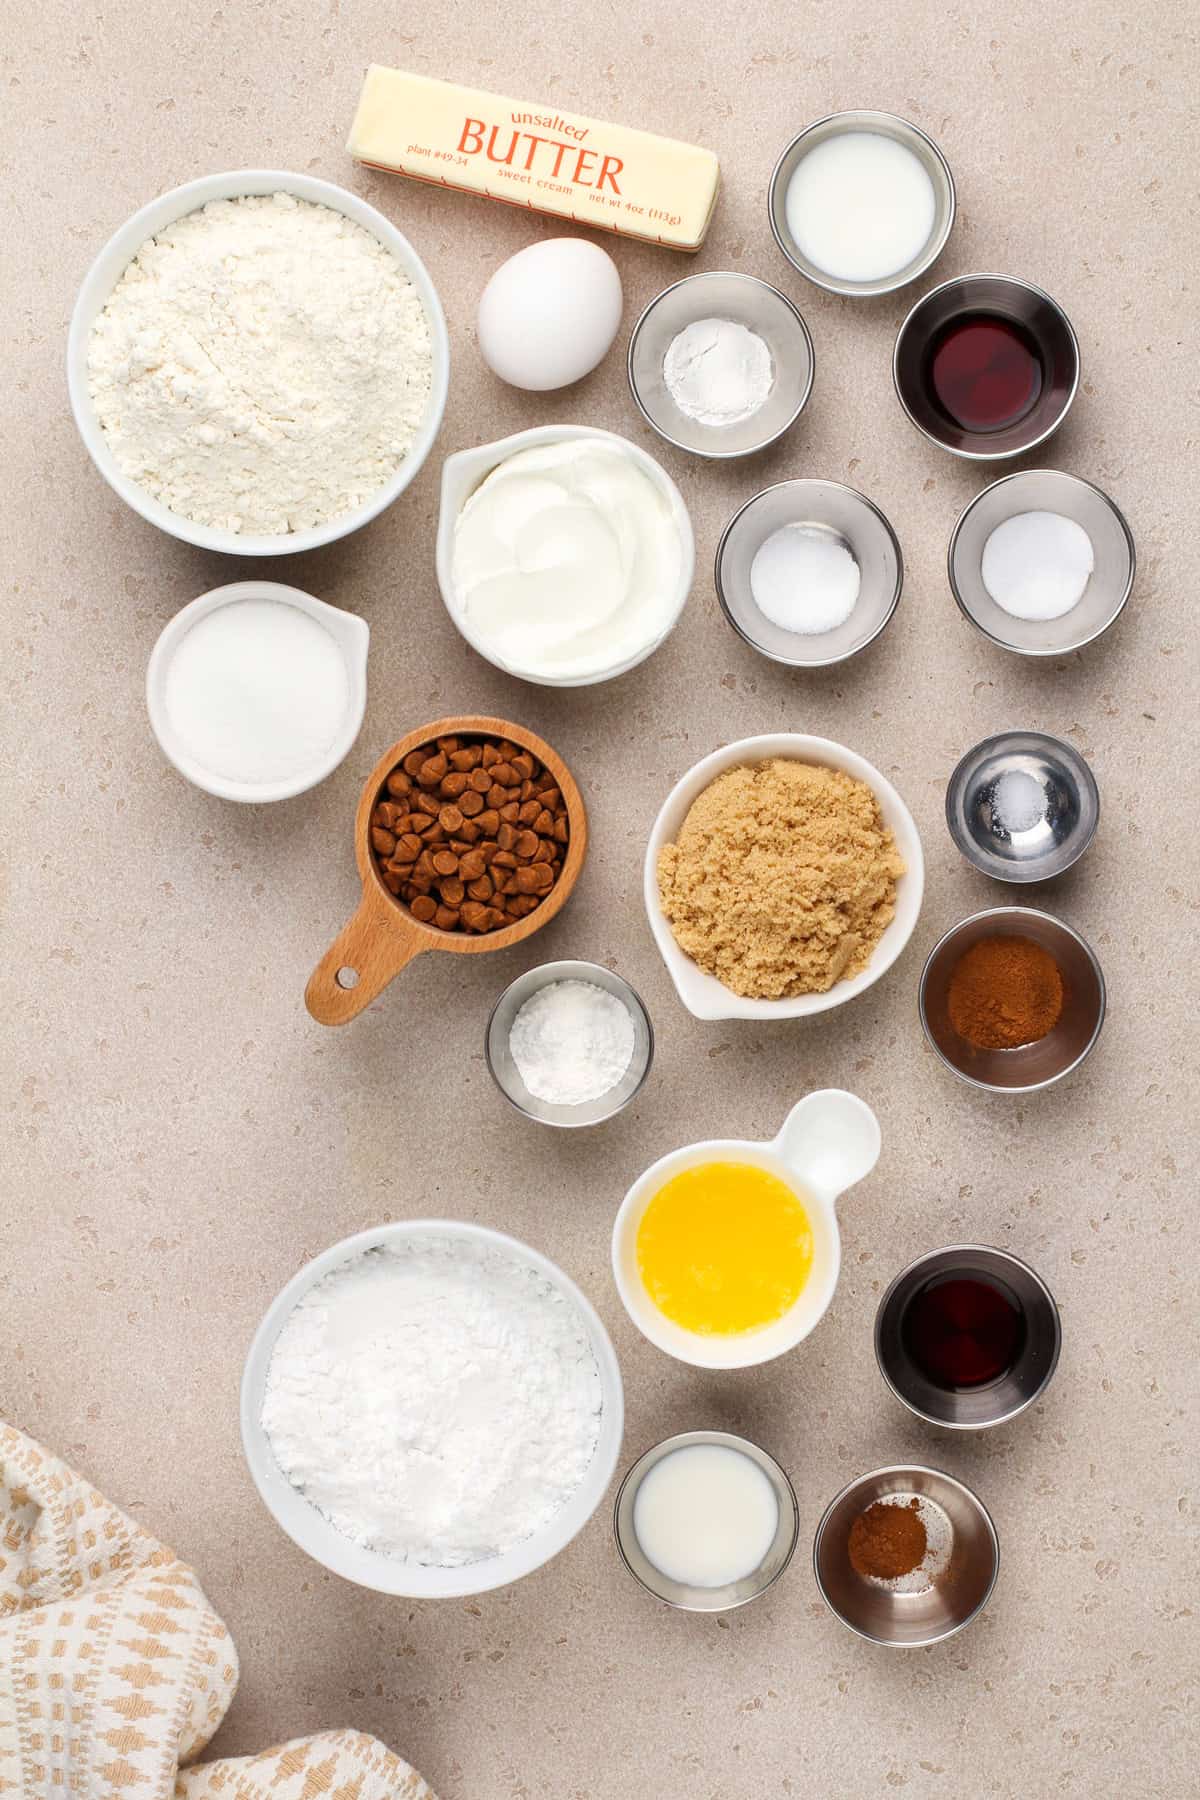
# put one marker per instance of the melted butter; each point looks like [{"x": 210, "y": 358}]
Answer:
[{"x": 724, "y": 1248}]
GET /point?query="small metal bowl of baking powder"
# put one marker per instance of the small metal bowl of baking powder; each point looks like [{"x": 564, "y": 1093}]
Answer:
[
  {"x": 762, "y": 309},
  {"x": 507, "y": 1076},
  {"x": 1022, "y": 806}
]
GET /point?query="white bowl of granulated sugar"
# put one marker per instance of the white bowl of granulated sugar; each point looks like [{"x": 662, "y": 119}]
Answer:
[
  {"x": 432, "y": 1409},
  {"x": 258, "y": 362}
]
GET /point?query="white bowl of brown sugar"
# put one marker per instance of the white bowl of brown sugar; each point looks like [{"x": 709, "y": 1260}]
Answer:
[{"x": 783, "y": 876}]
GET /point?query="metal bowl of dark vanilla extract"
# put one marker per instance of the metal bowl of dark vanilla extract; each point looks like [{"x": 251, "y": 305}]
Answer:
[
  {"x": 986, "y": 366},
  {"x": 967, "y": 1337}
]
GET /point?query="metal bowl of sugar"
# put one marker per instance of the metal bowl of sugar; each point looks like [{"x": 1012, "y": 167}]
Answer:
[
  {"x": 1042, "y": 495},
  {"x": 809, "y": 572},
  {"x": 586, "y": 1036},
  {"x": 721, "y": 364},
  {"x": 1022, "y": 806},
  {"x": 952, "y": 1586}
]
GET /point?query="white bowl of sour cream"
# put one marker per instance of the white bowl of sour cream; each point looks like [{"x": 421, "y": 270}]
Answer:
[{"x": 564, "y": 554}]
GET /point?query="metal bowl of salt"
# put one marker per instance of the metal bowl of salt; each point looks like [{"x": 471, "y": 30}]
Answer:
[{"x": 1022, "y": 806}]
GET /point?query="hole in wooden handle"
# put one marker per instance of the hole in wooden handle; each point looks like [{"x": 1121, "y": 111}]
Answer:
[{"x": 373, "y": 947}]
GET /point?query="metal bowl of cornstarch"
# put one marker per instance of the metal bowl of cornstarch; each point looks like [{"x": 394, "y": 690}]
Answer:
[
  {"x": 569, "y": 1044},
  {"x": 1022, "y": 806}
]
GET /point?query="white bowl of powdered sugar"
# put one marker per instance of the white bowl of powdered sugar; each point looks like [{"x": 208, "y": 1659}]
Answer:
[
  {"x": 432, "y": 1409},
  {"x": 258, "y": 362}
]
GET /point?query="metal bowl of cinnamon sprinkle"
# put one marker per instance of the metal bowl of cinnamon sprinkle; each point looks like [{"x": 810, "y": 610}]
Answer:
[{"x": 906, "y": 1556}]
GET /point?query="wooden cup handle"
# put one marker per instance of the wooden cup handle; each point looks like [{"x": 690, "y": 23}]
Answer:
[{"x": 376, "y": 944}]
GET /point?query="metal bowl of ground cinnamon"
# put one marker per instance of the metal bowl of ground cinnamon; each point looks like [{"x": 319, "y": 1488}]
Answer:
[
  {"x": 783, "y": 876},
  {"x": 906, "y": 1556},
  {"x": 1012, "y": 999}
]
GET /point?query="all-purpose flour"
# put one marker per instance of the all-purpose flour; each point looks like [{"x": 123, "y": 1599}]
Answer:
[
  {"x": 262, "y": 365},
  {"x": 438, "y": 1402}
]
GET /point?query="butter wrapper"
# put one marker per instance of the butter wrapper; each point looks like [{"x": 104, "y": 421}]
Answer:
[{"x": 607, "y": 177}]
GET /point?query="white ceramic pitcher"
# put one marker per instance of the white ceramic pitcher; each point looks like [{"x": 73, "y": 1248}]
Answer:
[{"x": 829, "y": 1140}]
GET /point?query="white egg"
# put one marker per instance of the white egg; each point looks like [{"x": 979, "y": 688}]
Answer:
[{"x": 550, "y": 313}]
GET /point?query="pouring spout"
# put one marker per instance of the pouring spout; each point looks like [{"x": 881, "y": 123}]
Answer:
[
  {"x": 351, "y": 631},
  {"x": 831, "y": 1139}
]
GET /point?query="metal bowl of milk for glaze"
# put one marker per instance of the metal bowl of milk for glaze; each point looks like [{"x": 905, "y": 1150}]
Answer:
[
  {"x": 1108, "y": 586},
  {"x": 503, "y": 1069},
  {"x": 878, "y": 124},
  {"x": 1022, "y": 806},
  {"x": 722, "y": 295},
  {"x": 852, "y": 521},
  {"x": 682, "y": 1596}
]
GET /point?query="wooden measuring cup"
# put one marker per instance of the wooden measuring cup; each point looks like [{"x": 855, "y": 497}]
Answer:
[{"x": 383, "y": 936}]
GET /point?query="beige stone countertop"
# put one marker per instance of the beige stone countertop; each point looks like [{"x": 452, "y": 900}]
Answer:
[{"x": 181, "y": 1137}]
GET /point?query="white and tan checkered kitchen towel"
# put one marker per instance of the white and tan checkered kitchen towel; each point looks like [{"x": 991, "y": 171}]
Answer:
[{"x": 115, "y": 1671}]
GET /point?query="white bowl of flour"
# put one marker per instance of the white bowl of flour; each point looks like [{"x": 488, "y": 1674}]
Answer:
[
  {"x": 431, "y": 1408},
  {"x": 269, "y": 373}
]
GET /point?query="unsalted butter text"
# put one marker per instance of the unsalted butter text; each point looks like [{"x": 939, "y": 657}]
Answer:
[{"x": 471, "y": 143}]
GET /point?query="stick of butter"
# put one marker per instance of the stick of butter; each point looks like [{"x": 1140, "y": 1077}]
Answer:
[{"x": 608, "y": 177}]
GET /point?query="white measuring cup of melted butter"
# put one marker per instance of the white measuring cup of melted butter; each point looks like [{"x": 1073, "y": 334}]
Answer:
[{"x": 829, "y": 1141}]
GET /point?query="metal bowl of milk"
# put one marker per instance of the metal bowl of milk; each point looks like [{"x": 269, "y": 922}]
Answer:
[
  {"x": 706, "y": 1521},
  {"x": 861, "y": 203}
]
